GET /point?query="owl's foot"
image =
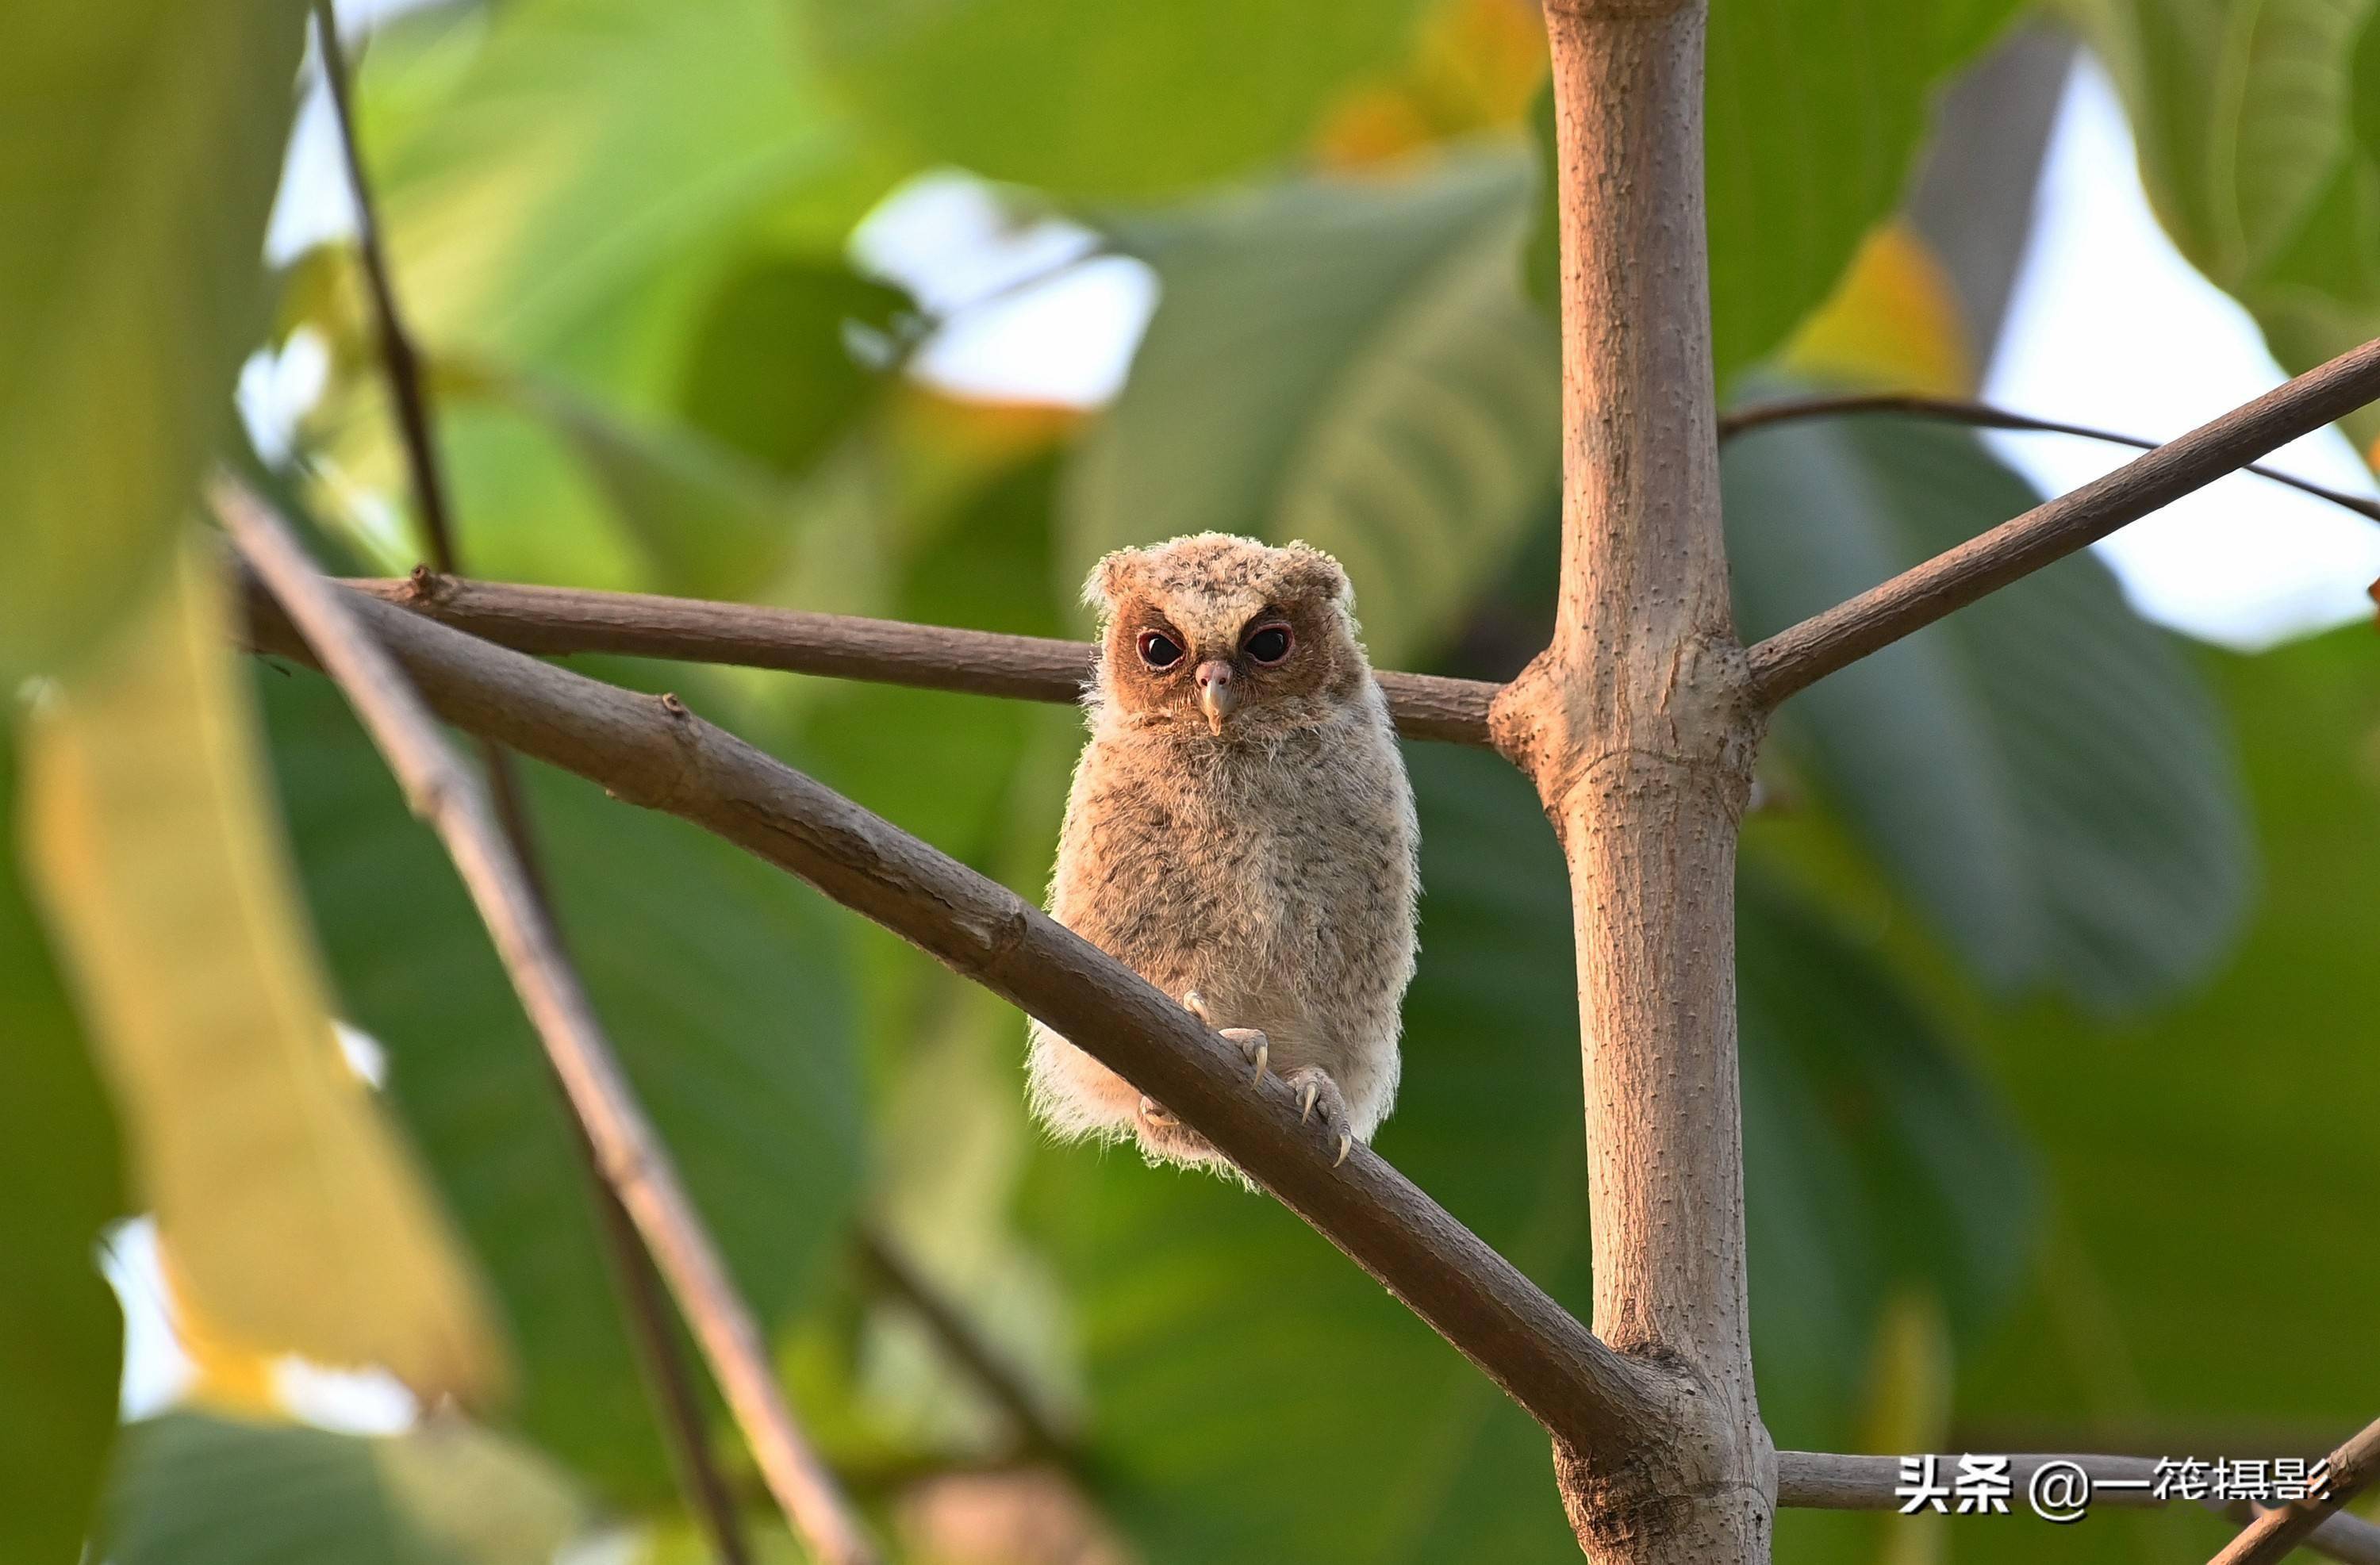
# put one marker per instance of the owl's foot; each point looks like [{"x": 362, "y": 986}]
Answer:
[
  {"x": 1165, "y": 1139},
  {"x": 1318, "y": 1097},
  {"x": 1252, "y": 1044}
]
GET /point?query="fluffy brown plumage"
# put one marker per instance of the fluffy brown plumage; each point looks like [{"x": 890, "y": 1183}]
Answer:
[{"x": 1240, "y": 832}]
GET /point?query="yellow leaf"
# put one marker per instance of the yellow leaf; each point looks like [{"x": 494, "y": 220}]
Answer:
[
  {"x": 1910, "y": 1381},
  {"x": 1473, "y": 68},
  {"x": 1893, "y": 323},
  {"x": 297, "y": 1220},
  {"x": 227, "y": 1373}
]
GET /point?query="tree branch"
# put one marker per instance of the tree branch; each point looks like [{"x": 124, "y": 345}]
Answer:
[
  {"x": 1823, "y": 1481},
  {"x": 2275, "y": 1531},
  {"x": 654, "y": 752},
  {"x": 1038, "y": 1434},
  {"x": 1794, "y": 658},
  {"x": 650, "y": 1330},
  {"x": 1634, "y": 726},
  {"x": 444, "y": 793},
  {"x": 558, "y": 621},
  {"x": 1983, "y": 415}
]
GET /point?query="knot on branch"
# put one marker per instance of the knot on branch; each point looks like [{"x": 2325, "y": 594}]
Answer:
[
  {"x": 1638, "y": 720},
  {"x": 679, "y": 781},
  {"x": 1613, "y": 1504},
  {"x": 1701, "y": 1483},
  {"x": 425, "y": 586}
]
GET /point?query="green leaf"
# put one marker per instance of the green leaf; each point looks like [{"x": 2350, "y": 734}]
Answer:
[
  {"x": 769, "y": 368},
  {"x": 1873, "y": 1156},
  {"x": 61, "y": 1336},
  {"x": 723, "y": 987},
  {"x": 1083, "y": 98},
  {"x": 1214, "y": 1323},
  {"x": 294, "y": 1215},
  {"x": 1815, "y": 115},
  {"x": 144, "y": 137},
  {"x": 2260, "y": 146},
  {"x": 2042, "y": 772},
  {"x": 941, "y": 765},
  {"x": 2207, "y": 1162},
  {"x": 580, "y": 146},
  {"x": 191, "y": 1489},
  {"x": 565, "y": 185},
  {"x": 1348, "y": 363},
  {"x": 710, "y": 522}
]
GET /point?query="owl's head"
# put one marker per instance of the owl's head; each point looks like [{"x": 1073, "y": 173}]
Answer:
[{"x": 1225, "y": 636}]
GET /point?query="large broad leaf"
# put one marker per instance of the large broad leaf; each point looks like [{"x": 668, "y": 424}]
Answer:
[
  {"x": 565, "y": 183},
  {"x": 940, "y": 765},
  {"x": 708, "y": 521},
  {"x": 196, "y": 1490},
  {"x": 1083, "y": 98},
  {"x": 2258, "y": 123},
  {"x": 1217, "y": 1327},
  {"x": 580, "y": 145},
  {"x": 2040, "y": 772},
  {"x": 144, "y": 136},
  {"x": 1815, "y": 113},
  {"x": 1348, "y": 363},
  {"x": 721, "y": 984},
  {"x": 2211, "y": 1166},
  {"x": 1873, "y": 1158},
  {"x": 293, "y": 1213},
  {"x": 772, "y": 368},
  {"x": 61, "y": 1336}
]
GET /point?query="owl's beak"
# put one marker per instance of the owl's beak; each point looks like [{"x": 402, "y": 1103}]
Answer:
[{"x": 1217, "y": 695}]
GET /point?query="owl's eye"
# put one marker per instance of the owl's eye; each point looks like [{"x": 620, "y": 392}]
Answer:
[
  {"x": 1270, "y": 644},
  {"x": 1159, "y": 650}
]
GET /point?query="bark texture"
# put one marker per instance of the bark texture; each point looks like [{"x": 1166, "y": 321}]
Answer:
[{"x": 1638, "y": 728}]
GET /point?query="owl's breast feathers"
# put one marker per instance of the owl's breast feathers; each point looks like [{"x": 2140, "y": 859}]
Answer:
[{"x": 1276, "y": 879}]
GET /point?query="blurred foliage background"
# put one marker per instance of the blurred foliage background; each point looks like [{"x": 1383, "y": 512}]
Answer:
[{"x": 2056, "y": 931}]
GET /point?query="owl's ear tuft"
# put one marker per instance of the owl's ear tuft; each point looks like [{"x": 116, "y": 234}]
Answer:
[
  {"x": 1113, "y": 578},
  {"x": 1309, "y": 573}
]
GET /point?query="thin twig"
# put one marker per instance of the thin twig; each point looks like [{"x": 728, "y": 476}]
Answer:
[
  {"x": 2275, "y": 1531},
  {"x": 559, "y": 621},
  {"x": 709, "y": 1497},
  {"x": 447, "y": 795},
  {"x": 1983, "y": 415},
  {"x": 1792, "y": 658},
  {"x": 406, "y": 380},
  {"x": 656, "y": 753},
  {"x": 1824, "y": 1481},
  {"x": 1038, "y": 1435},
  {"x": 651, "y": 1332}
]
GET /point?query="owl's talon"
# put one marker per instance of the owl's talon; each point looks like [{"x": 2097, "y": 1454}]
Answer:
[
  {"x": 1255, "y": 1045},
  {"x": 1155, "y": 1115},
  {"x": 1320, "y": 1101}
]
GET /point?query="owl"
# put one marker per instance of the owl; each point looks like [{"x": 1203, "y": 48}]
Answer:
[{"x": 1240, "y": 832}]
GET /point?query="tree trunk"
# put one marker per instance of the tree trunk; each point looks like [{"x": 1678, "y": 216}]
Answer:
[{"x": 1637, "y": 727}]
